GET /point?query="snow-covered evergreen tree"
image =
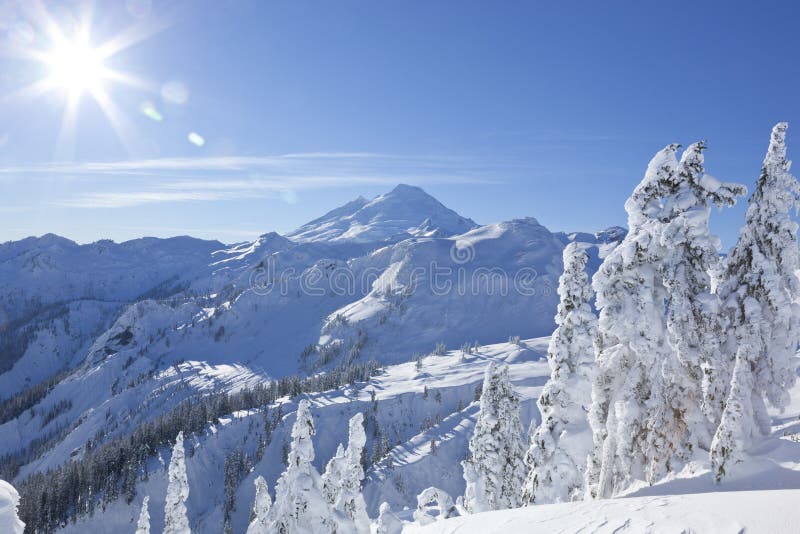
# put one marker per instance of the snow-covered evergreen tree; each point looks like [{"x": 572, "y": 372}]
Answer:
[
  {"x": 300, "y": 506},
  {"x": 434, "y": 501},
  {"x": 561, "y": 443},
  {"x": 143, "y": 525},
  {"x": 350, "y": 501},
  {"x": 694, "y": 327},
  {"x": 9, "y": 504},
  {"x": 631, "y": 340},
  {"x": 175, "y": 518},
  {"x": 332, "y": 477},
  {"x": 658, "y": 328},
  {"x": 637, "y": 430},
  {"x": 342, "y": 481},
  {"x": 387, "y": 522},
  {"x": 744, "y": 416},
  {"x": 495, "y": 472},
  {"x": 760, "y": 292},
  {"x": 261, "y": 507}
]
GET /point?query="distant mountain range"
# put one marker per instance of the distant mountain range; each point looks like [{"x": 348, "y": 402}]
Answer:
[{"x": 101, "y": 338}]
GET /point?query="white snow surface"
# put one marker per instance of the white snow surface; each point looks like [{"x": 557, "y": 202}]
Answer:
[{"x": 753, "y": 512}]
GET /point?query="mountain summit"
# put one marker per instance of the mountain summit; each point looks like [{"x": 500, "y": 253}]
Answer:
[{"x": 404, "y": 211}]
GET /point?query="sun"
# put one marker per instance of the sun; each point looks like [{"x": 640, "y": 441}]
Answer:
[{"x": 76, "y": 67}]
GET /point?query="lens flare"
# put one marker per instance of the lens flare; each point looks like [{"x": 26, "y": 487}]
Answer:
[
  {"x": 150, "y": 111},
  {"x": 196, "y": 139}
]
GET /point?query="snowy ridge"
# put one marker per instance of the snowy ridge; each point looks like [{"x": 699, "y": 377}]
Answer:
[{"x": 56, "y": 295}]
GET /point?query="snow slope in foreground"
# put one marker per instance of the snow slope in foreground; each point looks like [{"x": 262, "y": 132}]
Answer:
[
  {"x": 753, "y": 512},
  {"x": 413, "y": 406}
]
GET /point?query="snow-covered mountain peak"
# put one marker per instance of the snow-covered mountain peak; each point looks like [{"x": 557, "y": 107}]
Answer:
[
  {"x": 404, "y": 211},
  {"x": 611, "y": 234},
  {"x": 50, "y": 239},
  {"x": 47, "y": 242},
  {"x": 274, "y": 241},
  {"x": 265, "y": 244}
]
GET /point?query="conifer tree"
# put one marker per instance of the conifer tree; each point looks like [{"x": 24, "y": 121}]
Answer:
[
  {"x": 261, "y": 507},
  {"x": 760, "y": 292},
  {"x": 560, "y": 444},
  {"x": 300, "y": 507},
  {"x": 387, "y": 522},
  {"x": 143, "y": 525},
  {"x": 631, "y": 342},
  {"x": 9, "y": 504},
  {"x": 175, "y": 519},
  {"x": 332, "y": 477},
  {"x": 350, "y": 501},
  {"x": 495, "y": 471},
  {"x": 342, "y": 481},
  {"x": 694, "y": 326},
  {"x": 434, "y": 500},
  {"x": 657, "y": 327}
]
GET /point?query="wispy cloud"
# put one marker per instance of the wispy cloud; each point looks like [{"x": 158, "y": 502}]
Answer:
[
  {"x": 298, "y": 161},
  {"x": 217, "y": 190},
  {"x": 14, "y": 209},
  {"x": 128, "y": 199},
  {"x": 164, "y": 180}
]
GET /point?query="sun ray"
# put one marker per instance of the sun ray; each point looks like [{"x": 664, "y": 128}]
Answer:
[
  {"x": 37, "y": 88},
  {"x": 65, "y": 145},
  {"x": 129, "y": 80},
  {"x": 18, "y": 51},
  {"x": 116, "y": 118},
  {"x": 132, "y": 36},
  {"x": 43, "y": 19}
]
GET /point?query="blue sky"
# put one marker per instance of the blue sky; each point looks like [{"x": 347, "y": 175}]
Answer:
[{"x": 499, "y": 109}]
